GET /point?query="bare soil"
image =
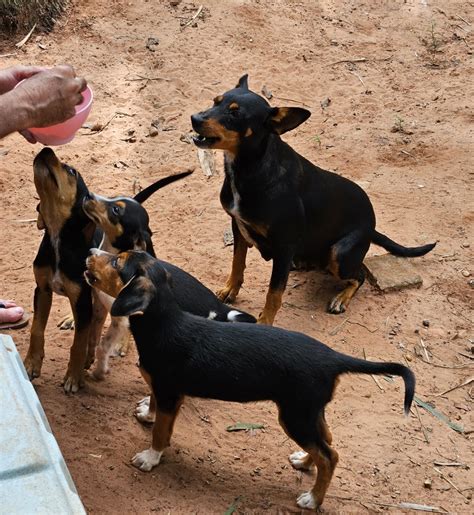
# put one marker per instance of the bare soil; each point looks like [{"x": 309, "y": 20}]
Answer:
[{"x": 399, "y": 76}]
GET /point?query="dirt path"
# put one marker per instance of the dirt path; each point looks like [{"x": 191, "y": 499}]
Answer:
[{"x": 385, "y": 66}]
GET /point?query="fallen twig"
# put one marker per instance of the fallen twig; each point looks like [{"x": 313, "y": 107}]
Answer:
[
  {"x": 7, "y": 55},
  {"x": 449, "y": 464},
  {"x": 461, "y": 18},
  {"x": 449, "y": 481},
  {"x": 26, "y": 38},
  {"x": 424, "y": 348},
  {"x": 410, "y": 506},
  {"x": 103, "y": 127},
  {"x": 25, "y": 221},
  {"x": 355, "y": 60},
  {"x": 407, "y": 153},
  {"x": 468, "y": 381},
  {"x": 141, "y": 77},
  {"x": 359, "y": 77},
  {"x": 466, "y": 355},
  {"x": 423, "y": 430},
  {"x": 338, "y": 327},
  {"x": 190, "y": 21},
  {"x": 362, "y": 325}
]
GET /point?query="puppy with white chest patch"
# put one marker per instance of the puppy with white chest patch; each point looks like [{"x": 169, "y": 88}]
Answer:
[{"x": 185, "y": 355}]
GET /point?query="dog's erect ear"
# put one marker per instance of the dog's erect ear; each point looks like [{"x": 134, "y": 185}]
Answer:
[
  {"x": 243, "y": 82},
  {"x": 134, "y": 298},
  {"x": 284, "y": 119}
]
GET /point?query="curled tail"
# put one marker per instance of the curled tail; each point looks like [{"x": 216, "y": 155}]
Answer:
[
  {"x": 355, "y": 365},
  {"x": 399, "y": 250},
  {"x": 143, "y": 195}
]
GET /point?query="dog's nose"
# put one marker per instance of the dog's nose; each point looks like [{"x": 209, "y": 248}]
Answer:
[{"x": 196, "y": 120}]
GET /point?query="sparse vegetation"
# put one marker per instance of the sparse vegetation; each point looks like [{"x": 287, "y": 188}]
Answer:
[{"x": 21, "y": 15}]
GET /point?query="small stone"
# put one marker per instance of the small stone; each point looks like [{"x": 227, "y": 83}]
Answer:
[
  {"x": 426, "y": 323},
  {"x": 266, "y": 92},
  {"x": 389, "y": 273},
  {"x": 427, "y": 484},
  {"x": 466, "y": 273},
  {"x": 471, "y": 283},
  {"x": 153, "y": 132},
  {"x": 408, "y": 357},
  {"x": 465, "y": 244},
  {"x": 325, "y": 102},
  {"x": 174, "y": 3}
]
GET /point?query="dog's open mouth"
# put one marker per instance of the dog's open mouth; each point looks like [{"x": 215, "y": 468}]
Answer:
[
  {"x": 91, "y": 279},
  {"x": 204, "y": 141}
]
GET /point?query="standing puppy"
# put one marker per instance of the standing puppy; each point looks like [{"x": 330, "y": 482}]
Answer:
[
  {"x": 279, "y": 202},
  {"x": 185, "y": 355}
]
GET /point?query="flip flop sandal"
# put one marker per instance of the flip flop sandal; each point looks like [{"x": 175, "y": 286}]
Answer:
[{"x": 16, "y": 325}]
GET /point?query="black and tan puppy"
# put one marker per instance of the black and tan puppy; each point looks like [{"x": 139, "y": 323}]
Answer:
[
  {"x": 291, "y": 210},
  {"x": 125, "y": 224},
  {"x": 60, "y": 263},
  {"x": 184, "y": 355}
]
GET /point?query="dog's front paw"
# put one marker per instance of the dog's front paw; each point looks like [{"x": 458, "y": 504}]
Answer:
[
  {"x": 121, "y": 347},
  {"x": 337, "y": 305},
  {"x": 306, "y": 500},
  {"x": 143, "y": 413},
  {"x": 99, "y": 372},
  {"x": 72, "y": 382},
  {"x": 227, "y": 294},
  {"x": 265, "y": 319},
  {"x": 66, "y": 323},
  {"x": 147, "y": 459},
  {"x": 301, "y": 460},
  {"x": 33, "y": 366}
]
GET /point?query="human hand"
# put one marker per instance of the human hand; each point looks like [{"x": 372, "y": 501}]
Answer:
[
  {"x": 49, "y": 97},
  {"x": 10, "y": 77}
]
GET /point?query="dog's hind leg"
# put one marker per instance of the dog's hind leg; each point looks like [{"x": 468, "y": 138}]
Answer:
[
  {"x": 236, "y": 278},
  {"x": 162, "y": 431},
  {"x": 345, "y": 263},
  {"x": 42, "y": 306},
  {"x": 308, "y": 428}
]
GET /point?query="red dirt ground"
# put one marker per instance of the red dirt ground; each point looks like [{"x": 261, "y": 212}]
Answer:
[{"x": 415, "y": 78}]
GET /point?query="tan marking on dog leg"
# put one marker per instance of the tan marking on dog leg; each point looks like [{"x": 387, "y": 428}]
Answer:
[
  {"x": 341, "y": 301},
  {"x": 74, "y": 378},
  {"x": 272, "y": 305},
  {"x": 44, "y": 297},
  {"x": 236, "y": 277},
  {"x": 99, "y": 314},
  {"x": 326, "y": 467}
]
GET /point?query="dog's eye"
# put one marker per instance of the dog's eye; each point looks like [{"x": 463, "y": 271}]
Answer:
[
  {"x": 234, "y": 113},
  {"x": 114, "y": 262},
  {"x": 116, "y": 210},
  {"x": 70, "y": 171}
]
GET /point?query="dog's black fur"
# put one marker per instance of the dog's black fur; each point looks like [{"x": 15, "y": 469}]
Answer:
[
  {"x": 125, "y": 223},
  {"x": 293, "y": 211},
  {"x": 184, "y": 355},
  {"x": 60, "y": 263}
]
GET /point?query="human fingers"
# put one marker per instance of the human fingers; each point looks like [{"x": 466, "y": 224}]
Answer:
[
  {"x": 65, "y": 70},
  {"x": 81, "y": 83}
]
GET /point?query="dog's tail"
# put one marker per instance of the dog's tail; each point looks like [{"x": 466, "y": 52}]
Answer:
[
  {"x": 399, "y": 250},
  {"x": 143, "y": 195},
  {"x": 354, "y": 365},
  {"x": 240, "y": 316}
]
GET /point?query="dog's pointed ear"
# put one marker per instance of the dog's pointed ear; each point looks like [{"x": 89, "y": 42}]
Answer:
[
  {"x": 243, "y": 82},
  {"x": 284, "y": 119},
  {"x": 134, "y": 298}
]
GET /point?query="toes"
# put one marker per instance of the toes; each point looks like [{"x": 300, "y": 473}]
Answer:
[
  {"x": 33, "y": 367},
  {"x": 147, "y": 459},
  {"x": 336, "y": 306},
  {"x": 72, "y": 384},
  {"x": 306, "y": 500}
]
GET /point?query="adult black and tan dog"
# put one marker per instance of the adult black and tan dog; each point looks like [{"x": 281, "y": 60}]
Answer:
[
  {"x": 184, "y": 355},
  {"x": 60, "y": 263},
  {"x": 291, "y": 210}
]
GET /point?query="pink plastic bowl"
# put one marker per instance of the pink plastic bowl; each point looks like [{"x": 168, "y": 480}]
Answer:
[{"x": 64, "y": 132}]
